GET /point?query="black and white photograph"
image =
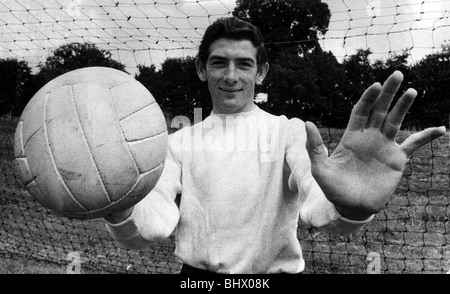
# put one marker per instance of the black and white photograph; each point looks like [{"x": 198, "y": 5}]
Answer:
[{"x": 225, "y": 143}]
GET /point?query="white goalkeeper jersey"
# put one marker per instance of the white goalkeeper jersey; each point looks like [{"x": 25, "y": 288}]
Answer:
[{"x": 245, "y": 181}]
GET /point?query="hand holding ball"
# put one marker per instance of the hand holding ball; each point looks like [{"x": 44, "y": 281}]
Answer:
[{"x": 91, "y": 142}]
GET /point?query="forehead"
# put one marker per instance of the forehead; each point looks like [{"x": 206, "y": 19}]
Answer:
[{"x": 232, "y": 49}]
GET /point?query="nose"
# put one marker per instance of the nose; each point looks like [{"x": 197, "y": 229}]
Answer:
[{"x": 230, "y": 75}]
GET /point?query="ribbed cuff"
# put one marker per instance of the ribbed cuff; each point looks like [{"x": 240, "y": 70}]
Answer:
[
  {"x": 124, "y": 230},
  {"x": 343, "y": 225}
]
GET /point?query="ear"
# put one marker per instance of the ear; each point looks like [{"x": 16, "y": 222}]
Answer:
[
  {"x": 201, "y": 69},
  {"x": 263, "y": 69}
]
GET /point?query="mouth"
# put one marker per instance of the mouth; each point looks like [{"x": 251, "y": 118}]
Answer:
[{"x": 230, "y": 90}]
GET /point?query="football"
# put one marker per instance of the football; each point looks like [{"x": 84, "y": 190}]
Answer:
[{"x": 91, "y": 142}]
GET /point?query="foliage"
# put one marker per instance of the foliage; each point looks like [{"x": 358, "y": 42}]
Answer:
[
  {"x": 432, "y": 80},
  {"x": 308, "y": 87},
  {"x": 176, "y": 87},
  {"x": 19, "y": 85},
  {"x": 286, "y": 23},
  {"x": 73, "y": 56},
  {"x": 304, "y": 81},
  {"x": 359, "y": 74},
  {"x": 14, "y": 88}
]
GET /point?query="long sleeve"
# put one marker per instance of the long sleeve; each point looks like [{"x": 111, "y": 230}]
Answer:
[
  {"x": 315, "y": 209},
  {"x": 234, "y": 198},
  {"x": 156, "y": 216}
]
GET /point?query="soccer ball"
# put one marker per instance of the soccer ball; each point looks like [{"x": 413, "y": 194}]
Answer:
[{"x": 91, "y": 142}]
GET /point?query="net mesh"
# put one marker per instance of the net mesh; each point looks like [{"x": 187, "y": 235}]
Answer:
[
  {"x": 411, "y": 235},
  {"x": 148, "y": 32}
]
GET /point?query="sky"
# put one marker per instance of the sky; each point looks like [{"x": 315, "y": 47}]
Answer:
[
  {"x": 388, "y": 26},
  {"x": 147, "y": 32}
]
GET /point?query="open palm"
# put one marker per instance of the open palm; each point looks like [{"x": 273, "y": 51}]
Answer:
[{"x": 364, "y": 170}]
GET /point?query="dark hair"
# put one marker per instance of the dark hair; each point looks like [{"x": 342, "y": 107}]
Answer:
[{"x": 235, "y": 29}]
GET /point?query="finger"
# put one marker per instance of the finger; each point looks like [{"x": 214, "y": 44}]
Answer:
[
  {"x": 417, "y": 140},
  {"x": 395, "y": 118},
  {"x": 314, "y": 144},
  {"x": 381, "y": 107},
  {"x": 361, "y": 110}
]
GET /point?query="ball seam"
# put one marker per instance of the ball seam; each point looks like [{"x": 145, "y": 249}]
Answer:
[
  {"x": 96, "y": 211},
  {"x": 134, "y": 112},
  {"x": 123, "y": 137},
  {"x": 52, "y": 156},
  {"x": 87, "y": 143}
]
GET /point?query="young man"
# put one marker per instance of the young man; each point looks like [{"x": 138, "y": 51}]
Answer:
[{"x": 246, "y": 177}]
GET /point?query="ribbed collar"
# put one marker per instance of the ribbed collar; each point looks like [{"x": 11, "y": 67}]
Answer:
[{"x": 253, "y": 111}]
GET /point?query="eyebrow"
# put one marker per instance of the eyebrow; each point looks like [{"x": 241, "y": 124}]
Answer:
[{"x": 240, "y": 59}]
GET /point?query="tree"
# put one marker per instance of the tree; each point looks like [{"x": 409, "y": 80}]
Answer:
[
  {"x": 151, "y": 79},
  {"x": 359, "y": 74},
  {"x": 336, "y": 108},
  {"x": 308, "y": 87},
  {"x": 14, "y": 76},
  {"x": 176, "y": 87},
  {"x": 286, "y": 23},
  {"x": 432, "y": 81},
  {"x": 286, "y": 85},
  {"x": 303, "y": 80},
  {"x": 73, "y": 56},
  {"x": 382, "y": 69},
  {"x": 19, "y": 85}
]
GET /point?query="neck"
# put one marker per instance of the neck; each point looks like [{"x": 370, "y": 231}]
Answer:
[
  {"x": 236, "y": 113},
  {"x": 246, "y": 108}
]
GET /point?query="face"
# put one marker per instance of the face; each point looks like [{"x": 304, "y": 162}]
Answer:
[{"x": 232, "y": 73}]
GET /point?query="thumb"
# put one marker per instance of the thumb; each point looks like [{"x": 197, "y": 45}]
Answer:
[
  {"x": 314, "y": 144},
  {"x": 417, "y": 140}
]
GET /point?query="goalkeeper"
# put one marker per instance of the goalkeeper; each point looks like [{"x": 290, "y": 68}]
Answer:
[{"x": 247, "y": 177}]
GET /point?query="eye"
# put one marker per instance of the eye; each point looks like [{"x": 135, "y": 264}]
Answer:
[
  {"x": 217, "y": 63},
  {"x": 245, "y": 64}
]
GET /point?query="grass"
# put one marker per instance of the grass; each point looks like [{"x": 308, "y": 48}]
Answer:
[
  {"x": 21, "y": 266},
  {"x": 27, "y": 229}
]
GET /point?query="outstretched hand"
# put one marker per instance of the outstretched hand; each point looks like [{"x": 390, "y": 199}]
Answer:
[{"x": 364, "y": 170}]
